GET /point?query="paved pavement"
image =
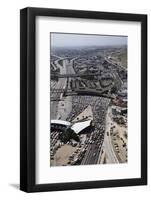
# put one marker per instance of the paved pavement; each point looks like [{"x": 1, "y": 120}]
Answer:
[{"x": 111, "y": 156}]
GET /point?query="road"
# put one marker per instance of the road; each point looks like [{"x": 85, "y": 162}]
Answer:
[
  {"x": 60, "y": 84},
  {"x": 111, "y": 156},
  {"x": 115, "y": 64},
  {"x": 93, "y": 151},
  {"x": 74, "y": 75}
]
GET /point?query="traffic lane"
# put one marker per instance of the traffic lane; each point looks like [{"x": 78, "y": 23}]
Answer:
[{"x": 92, "y": 153}]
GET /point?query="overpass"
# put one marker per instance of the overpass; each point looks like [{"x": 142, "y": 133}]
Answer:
[
  {"x": 74, "y": 75},
  {"x": 88, "y": 92}
]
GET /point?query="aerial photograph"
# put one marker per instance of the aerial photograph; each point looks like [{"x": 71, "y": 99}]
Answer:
[{"x": 88, "y": 99}]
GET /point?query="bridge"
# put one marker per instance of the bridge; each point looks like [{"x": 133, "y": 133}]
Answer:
[
  {"x": 89, "y": 92},
  {"x": 74, "y": 75}
]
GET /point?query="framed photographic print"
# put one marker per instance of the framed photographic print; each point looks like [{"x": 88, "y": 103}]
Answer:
[{"x": 83, "y": 99}]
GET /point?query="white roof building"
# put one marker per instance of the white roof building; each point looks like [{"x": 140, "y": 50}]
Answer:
[
  {"x": 60, "y": 122},
  {"x": 79, "y": 126}
]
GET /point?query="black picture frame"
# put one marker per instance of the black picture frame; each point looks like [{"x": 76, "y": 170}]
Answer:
[{"x": 28, "y": 99}]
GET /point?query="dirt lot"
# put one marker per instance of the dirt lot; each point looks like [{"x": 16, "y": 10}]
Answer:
[{"x": 62, "y": 155}]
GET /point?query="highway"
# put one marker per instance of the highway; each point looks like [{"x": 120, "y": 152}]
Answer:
[
  {"x": 58, "y": 88},
  {"x": 69, "y": 92},
  {"x": 70, "y": 75},
  {"x": 111, "y": 156},
  {"x": 116, "y": 65},
  {"x": 60, "y": 84}
]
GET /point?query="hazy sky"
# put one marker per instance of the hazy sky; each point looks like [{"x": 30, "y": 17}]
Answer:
[{"x": 68, "y": 40}]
